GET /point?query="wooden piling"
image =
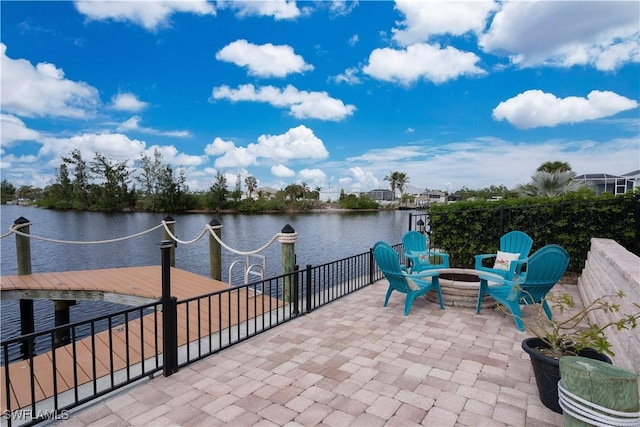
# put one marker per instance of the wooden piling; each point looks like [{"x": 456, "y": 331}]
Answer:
[
  {"x": 288, "y": 259},
  {"x": 600, "y": 384},
  {"x": 23, "y": 252},
  {"x": 23, "y": 246},
  {"x": 215, "y": 251}
]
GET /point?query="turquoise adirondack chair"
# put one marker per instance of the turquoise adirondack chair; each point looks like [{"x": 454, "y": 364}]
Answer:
[
  {"x": 515, "y": 245},
  {"x": 413, "y": 285},
  {"x": 416, "y": 250},
  {"x": 544, "y": 269}
]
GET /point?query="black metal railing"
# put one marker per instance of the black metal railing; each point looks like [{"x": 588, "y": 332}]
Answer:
[
  {"x": 218, "y": 320},
  {"x": 120, "y": 348},
  {"x": 166, "y": 335}
]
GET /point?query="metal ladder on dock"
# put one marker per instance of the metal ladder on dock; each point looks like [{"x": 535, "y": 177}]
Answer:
[{"x": 255, "y": 270}]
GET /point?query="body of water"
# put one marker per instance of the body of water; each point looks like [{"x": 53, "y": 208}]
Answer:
[{"x": 322, "y": 237}]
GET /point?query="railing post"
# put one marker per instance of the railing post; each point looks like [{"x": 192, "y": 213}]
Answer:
[
  {"x": 171, "y": 226},
  {"x": 308, "y": 286},
  {"x": 288, "y": 239},
  {"x": 23, "y": 252},
  {"x": 410, "y": 221},
  {"x": 501, "y": 229},
  {"x": 371, "y": 265},
  {"x": 296, "y": 292},
  {"x": 215, "y": 251},
  {"x": 169, "y": 314}
]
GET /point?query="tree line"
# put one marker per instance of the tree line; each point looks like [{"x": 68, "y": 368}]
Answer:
[{"x": 152, "y": 185}]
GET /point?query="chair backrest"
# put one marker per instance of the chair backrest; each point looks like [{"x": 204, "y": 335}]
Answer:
[
  {"x": 516, "y": 242},
  {"x": 545, "y": 268},
  {"x": 414, "y": 241},
  {"x": 387, "y": 259}
]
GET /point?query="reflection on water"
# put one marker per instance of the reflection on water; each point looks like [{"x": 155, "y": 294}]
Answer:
[{"x": 322, "y": 237}]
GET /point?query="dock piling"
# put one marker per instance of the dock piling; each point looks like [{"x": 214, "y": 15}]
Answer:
[
  {"x": 215, "y": 251},
  {"x": 23, "y": 252},
  {"x": 288, "y": 259}
]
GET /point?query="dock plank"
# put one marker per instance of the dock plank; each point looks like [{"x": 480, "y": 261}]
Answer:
[{"x": 216, "y": 313}]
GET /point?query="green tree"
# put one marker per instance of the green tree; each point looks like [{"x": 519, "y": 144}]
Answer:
[
  {"x": 236, "y": 194},
  {"x": 66, "y": 186},
  {"x": 113, "y": 194},
  {"x": 555, "y": 166},
  {"x": 401, "y": 182},
  {"x": 315, "y": 194},
  {"x": 397, "y": 180},
  {"x": 7, "y": 191},
  {"x": 294, "y": 192},
  {"x": 218, "y": 192},
  {"x": 81, "y": 178},
  {"x": 551, "y": 184},
  {"x": 251, "y": 183},
  {"x": 150, "y": 174}
]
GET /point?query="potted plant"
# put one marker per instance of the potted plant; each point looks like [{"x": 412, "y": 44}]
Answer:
[{"x": 571, "y": 332}]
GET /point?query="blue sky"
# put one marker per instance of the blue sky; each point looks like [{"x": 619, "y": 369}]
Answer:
[{"x": 333, "y": 94}]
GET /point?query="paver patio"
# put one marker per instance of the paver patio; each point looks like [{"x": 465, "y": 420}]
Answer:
[{"x": 350, "y": 363}]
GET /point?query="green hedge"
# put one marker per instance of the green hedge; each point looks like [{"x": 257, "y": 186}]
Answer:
[{"x": 465, "y": 229}]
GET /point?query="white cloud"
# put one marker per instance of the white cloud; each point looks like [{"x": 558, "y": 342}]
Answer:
[
  {"x": 278, "y": 9},
  {"x": 219, "y": 146},
  {"x": 482, "y": 162},
  {"x": 312, "y": 177},
  {"x": 354, "y": 39},
  {"x": 281, "y": 171},
  {"x": 350, "y": 77},
  {"x": 133, "y": 124},
  {"x": 426, "y": 18},
  {"x": 535, "y": 108},
  {"x": 296, "y": 144},
  {"x": 115, "y": 146},
  {"x": 43, "y": 91},
  {"x": 127, "y": 102},
  {"x": 342, "y": 7},
  {"x": 393, "y": 154},
  {"x": 421, "y": 61},
  {"x": 360, "y": 180},
  {"x": 265, "y": 60},
  {"x": 14, "y": 130},
  {"x": 149, "y": 14},
  {"x": 301, "y": 104},
  {"x": 602, "y": 34},
  {"x": 171, "y": 155}
]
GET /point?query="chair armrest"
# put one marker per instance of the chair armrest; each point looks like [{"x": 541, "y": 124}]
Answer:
[
  {"x": 479, "y": 258},
  {"x": 515, "y": 270},
  {"x": 414, "y": 256},
  {"x": 425, "y": 274}
]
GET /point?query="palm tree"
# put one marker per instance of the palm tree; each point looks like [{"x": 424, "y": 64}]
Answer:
[
  {"x": 401, "y": 182},
  {"x": 551, "y": 184},
  {"x": 397, "y": 180},
  {"x": 556, "y": 166}
]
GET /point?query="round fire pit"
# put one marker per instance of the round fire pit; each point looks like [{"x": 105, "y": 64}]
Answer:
[{"x": 460, "y": 288}]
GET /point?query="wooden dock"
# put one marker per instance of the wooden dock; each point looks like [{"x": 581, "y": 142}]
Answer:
[{"x": 131, "y": 285}]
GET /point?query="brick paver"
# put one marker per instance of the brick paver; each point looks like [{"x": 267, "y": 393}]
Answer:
[{"x": 352, "y": 362}]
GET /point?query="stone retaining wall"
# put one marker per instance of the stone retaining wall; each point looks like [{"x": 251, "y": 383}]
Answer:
[{"x": 609, "y": 268}]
